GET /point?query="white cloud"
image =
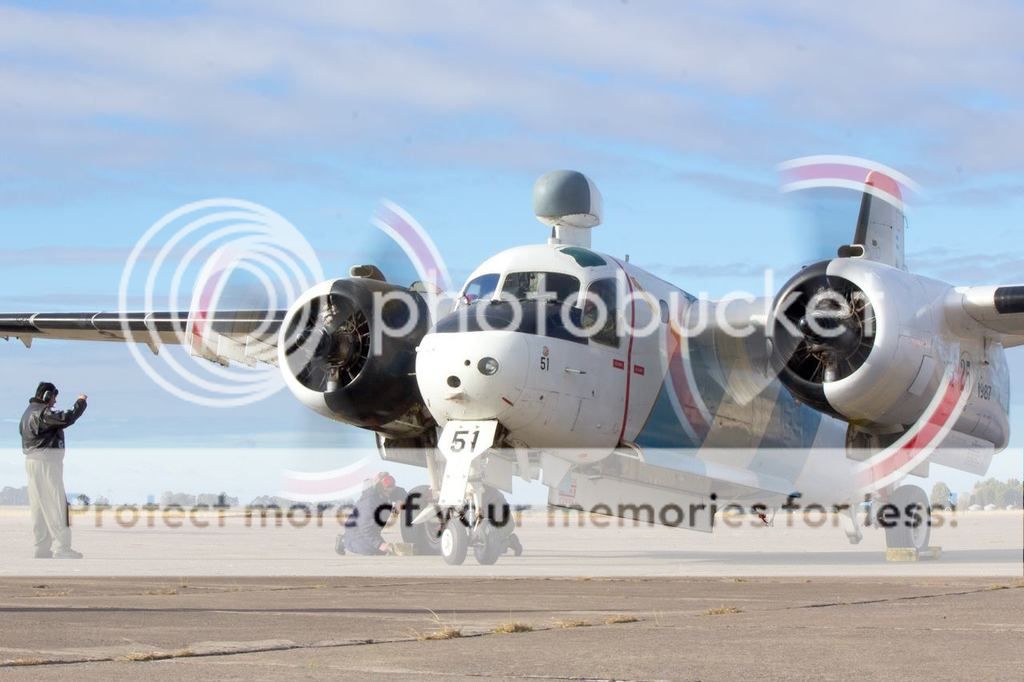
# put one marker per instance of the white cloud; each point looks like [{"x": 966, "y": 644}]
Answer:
[
  {"x": 738, "y": 82},
  {"x": 953, "y": 265}
]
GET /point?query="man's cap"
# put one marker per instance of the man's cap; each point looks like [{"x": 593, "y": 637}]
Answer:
[{"x": 43, "y": 388}]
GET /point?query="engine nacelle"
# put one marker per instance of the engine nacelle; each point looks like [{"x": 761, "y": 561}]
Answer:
[
  {"x": 338, "y": 360},
  {"x": 862, "y": 341}
]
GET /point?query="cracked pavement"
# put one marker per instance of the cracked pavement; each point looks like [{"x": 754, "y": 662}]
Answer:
[{"x": 344, "y": 628}]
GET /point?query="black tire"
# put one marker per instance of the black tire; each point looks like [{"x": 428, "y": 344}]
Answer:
[
  {"x": 496, "y": 529},
  {"x": 488, "y": 553},
  {"x": 906, "y": 518},
  {"x": 424, "y": 537},
  {"x": 498, "y": 511},
  {"x": 454, "y": 541}
]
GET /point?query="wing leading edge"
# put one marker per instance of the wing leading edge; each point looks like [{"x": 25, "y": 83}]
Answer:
[{"x": 245, "y": 336}]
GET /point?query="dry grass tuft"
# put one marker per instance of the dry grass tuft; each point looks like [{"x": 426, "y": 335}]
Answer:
[
  {"x": 144, "y": 656},
  {"x": 140, "y": 656},
  {"x": 722, "y": 611},
  {"x": 615, "y": 620},
  {"x": 443, "y": 630},
  {"x": 446, "y": 632},
  {"x": 509, "y": 628}
]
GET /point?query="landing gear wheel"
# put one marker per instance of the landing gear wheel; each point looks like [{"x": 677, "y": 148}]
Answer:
[
  {"x": 493, "y": 545},
  {"x": 910, "y": 527},
  {"x": 424, "y": 537},
  {"x": 454, "y": 541},
  {"x": 496, "y": 528}
]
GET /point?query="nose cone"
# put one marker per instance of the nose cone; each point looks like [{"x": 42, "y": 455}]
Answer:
[{"x": 471, "y": 375}]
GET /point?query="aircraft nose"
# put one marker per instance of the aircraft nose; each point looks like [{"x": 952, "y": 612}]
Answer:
[{"x": 471, "y": 376}]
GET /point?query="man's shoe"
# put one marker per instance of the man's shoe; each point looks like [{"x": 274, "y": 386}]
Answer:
[
  {"x": 67, "y": 554},
  {"x": 44, "y": 554}
]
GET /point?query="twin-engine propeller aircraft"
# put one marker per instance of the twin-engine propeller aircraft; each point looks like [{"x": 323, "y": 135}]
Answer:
[{"x": 625, "y": 395}]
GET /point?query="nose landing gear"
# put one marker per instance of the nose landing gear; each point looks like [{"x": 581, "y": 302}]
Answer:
[
  {"x": 487, "y": 527},
  {"x": 454, "y": 541}
]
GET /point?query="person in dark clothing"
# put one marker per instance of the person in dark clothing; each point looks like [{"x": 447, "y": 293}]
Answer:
[
  {"x": 364, "y": 526},
  {"x": 42, "y": 441}
]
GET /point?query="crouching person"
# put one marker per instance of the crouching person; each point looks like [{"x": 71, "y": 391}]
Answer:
[{"x": 364, "y": 526}]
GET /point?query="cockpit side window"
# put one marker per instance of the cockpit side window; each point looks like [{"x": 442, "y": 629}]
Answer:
[
  {"x": 482, "y": 287},
  {"x": 551, "y": 286},
  {"x": 601, "y": 312}
]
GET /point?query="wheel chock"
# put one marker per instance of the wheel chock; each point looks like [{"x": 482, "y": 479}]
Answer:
[
  {"x": 910, "y": 554},
  {"x": 402, "y": 549}
]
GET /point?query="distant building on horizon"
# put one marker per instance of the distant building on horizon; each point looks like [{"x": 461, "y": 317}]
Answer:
[{"x": 14, "y": 496}]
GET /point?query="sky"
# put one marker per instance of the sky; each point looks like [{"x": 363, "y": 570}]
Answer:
[{"x": 115, "y": 114}]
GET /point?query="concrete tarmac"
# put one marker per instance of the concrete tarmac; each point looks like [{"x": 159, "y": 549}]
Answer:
[
  {"x": 566, "y": 544},
  {"x": 569, "y": 628},
  {"x": 218, "y": 598}
]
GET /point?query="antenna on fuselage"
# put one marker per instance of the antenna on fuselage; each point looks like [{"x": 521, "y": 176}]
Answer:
[{"x": 569, "y": 202}]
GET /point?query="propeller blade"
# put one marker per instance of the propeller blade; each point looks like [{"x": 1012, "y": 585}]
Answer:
[{"x": 825, "y": 220}]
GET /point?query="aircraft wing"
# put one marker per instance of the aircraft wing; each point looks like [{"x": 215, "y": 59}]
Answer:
[
  {"x": 997, "y": 308},
  {"x": 734, "y": 332},
  {"x": 245, "y": 336}
]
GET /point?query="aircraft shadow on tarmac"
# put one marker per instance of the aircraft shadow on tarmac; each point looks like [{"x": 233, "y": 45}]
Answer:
[{"x": 797, "y": 559}]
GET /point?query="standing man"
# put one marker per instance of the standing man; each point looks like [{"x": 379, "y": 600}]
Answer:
[{"x": 42, "y": 441}]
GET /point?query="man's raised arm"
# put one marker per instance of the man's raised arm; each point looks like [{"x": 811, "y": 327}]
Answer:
[{"x": 65, "y": 418}]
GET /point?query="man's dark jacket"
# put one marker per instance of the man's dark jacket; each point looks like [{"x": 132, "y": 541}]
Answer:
[
  {"x": 42, "y": 429},
  {"x": 367, "y": 520}
]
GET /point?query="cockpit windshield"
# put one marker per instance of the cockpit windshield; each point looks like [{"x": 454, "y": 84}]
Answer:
[
  {"x": 539, "y": 318},
  {"x": 547, "y": 286},
  {"x": 482, "y": 287},
  {"x": 538, "y": 303}
]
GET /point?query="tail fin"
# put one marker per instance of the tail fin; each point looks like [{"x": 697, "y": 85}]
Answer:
[{"x": 881, "y": 222}]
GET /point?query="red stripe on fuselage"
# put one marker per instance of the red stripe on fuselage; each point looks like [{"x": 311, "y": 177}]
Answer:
[
  {"x": 629, "y": 349},
  {"x": 925, "y": 436},
  {"x": 681, "y": 385}
]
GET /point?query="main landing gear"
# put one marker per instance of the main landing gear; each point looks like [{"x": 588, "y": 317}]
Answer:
[
  {"x": 425, "y": 537},
  {"x": 906, "y": 518}
]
